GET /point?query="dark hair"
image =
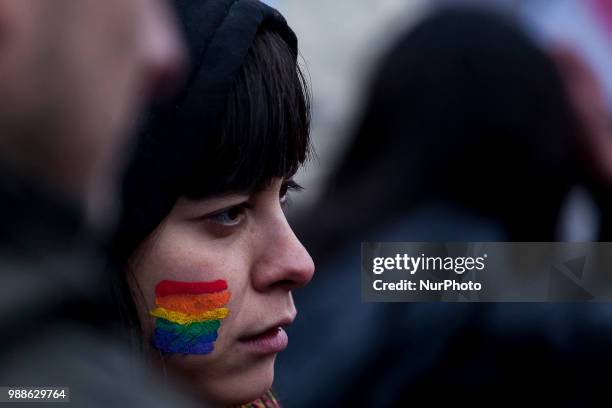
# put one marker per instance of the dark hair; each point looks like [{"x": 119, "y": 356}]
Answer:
[
  {"x": 265, "y": 131},
  {"x": 264, "y": 134}
]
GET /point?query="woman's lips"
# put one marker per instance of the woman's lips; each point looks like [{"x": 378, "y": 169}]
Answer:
[{"x": 270, "y": 341}]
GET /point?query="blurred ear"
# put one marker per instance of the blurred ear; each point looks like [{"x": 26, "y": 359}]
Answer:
[{"x": 586, "y": 96}]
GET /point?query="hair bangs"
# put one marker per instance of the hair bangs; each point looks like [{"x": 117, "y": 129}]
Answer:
[{"x": 265, "y": 133}]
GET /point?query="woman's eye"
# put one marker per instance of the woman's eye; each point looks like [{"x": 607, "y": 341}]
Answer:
[
  {"x": 286, "y": 187},
  {"x": 229, "y": 217},
  {"x": 284, "y": 198}
]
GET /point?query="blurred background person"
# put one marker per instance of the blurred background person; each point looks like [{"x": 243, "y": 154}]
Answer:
[
  {"x": 341, "y": 62},
  {"x": 577, "y": 34},
  {"x": 469, "y": 133},
  {"x": 73, "y": 78}
]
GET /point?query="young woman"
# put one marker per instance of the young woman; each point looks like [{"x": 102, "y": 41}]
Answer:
[{"x": 207, "y": 256}]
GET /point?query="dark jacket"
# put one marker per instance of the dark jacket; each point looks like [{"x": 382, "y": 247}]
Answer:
[{"x": 55, "y": 318}]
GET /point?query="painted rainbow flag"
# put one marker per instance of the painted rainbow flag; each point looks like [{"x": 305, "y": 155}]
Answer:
[{"x": 189, "y": 315}]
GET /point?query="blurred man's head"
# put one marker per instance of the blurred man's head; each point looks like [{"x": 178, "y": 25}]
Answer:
[{"x": 73, "y": 76}]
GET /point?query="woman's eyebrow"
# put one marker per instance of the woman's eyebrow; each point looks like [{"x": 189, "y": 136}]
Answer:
[
  {"x": 256, "y": 188},
  {"x": 215, "y": 200}
]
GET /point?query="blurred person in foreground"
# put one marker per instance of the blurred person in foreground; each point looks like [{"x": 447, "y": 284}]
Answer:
[
  {"x": 73, "y": 77},
  {"x": 469, "y": 134}
]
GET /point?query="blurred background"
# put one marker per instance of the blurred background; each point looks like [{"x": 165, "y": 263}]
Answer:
[{"x": 342, "y": 42}]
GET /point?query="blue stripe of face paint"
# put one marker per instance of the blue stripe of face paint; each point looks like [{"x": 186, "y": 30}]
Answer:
[
  {"x": 171, "y": 342},
  {"x": 181, "y": 348}
]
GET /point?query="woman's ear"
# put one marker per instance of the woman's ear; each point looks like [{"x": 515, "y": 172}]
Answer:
[{"x": 587, "y": 99}]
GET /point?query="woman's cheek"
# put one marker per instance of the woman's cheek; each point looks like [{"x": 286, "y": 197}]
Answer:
[
  {"x": 192, "y": 306},
  {"x": 188, "y": 315}
]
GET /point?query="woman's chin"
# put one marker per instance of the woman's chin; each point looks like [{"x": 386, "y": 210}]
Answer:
[{"x": 240, "y": 387}]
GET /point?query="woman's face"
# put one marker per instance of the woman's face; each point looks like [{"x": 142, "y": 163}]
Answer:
[{"x": 244, "y": 240}]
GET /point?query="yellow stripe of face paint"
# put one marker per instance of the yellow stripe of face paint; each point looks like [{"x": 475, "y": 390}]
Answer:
[{"x": 182, "y": 318}]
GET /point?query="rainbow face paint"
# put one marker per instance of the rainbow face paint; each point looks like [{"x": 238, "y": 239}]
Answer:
[{"x": 189, "y": 315}]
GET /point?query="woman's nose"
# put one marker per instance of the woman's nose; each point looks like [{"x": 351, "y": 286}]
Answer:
[{"x": 284, "y": 261}]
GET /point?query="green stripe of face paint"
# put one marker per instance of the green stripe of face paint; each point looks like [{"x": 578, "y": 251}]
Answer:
[{"x": 192, "y": 329}]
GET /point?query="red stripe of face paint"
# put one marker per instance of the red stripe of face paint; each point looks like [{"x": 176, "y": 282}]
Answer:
[{"x": 167, "y": 287}]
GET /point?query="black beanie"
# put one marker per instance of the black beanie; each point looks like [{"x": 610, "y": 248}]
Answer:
[{"x": 219, "y": 34}]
